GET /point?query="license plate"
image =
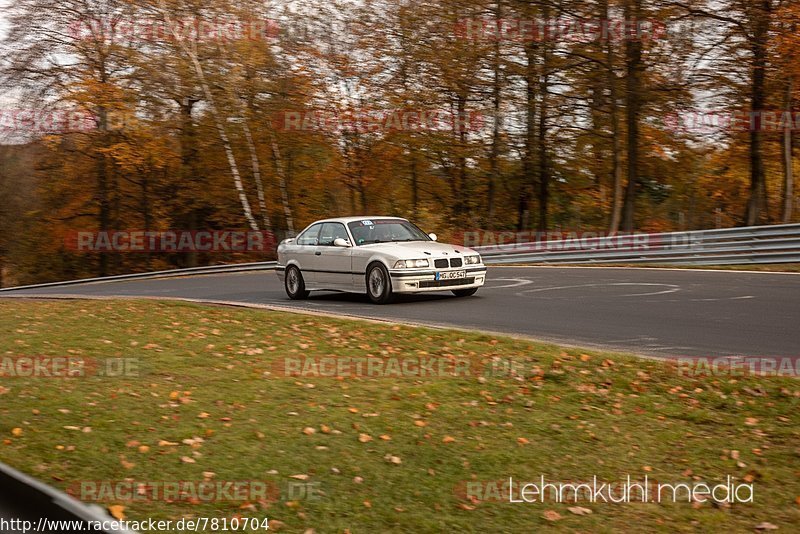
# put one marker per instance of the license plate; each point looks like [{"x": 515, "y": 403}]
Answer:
[{"x": 451, "y": 275}]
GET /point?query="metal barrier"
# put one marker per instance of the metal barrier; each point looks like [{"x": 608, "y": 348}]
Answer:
[
  {"x": 212, "y": 269},
  {"x": 731, "y": 246}
]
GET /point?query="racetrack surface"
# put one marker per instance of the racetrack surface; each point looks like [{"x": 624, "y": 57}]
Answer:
[{"x": 654, "y": 312}]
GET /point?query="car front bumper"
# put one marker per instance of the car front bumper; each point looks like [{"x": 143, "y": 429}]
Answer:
[{"x": 412, "y": 281}]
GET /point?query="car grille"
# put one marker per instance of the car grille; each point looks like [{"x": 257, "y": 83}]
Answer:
[
  {"x": 446, "y": 283},
  {"x": 456, "y": 262},
  {"x": 440, "y": 264}
]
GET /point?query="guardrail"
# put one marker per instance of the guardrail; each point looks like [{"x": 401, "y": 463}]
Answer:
[
  {"x": 212, "y": 269},
  {"x": 731, "y": 246}
]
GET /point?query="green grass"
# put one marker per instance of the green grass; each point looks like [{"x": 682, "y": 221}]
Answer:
[{"x": 208, "y": 372}]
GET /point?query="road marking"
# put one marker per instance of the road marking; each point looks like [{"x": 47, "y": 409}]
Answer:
[
  {"x": 671, "y": 289},
  {"x": 519, "y": 282}
]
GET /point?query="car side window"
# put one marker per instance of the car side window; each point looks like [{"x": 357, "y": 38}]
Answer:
[
  {"x": 310, "y": 236},
  {"x": 330, "y": 232}
]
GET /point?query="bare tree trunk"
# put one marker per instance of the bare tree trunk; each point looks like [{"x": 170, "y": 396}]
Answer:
[
  {"x": 251, "y": 146},
  {"x": 544, "y": 158},
  {"x": 633, "y": 58},
  {"x": 788, "y": 163},
  {"x": 212, "y": 106},
  {"x": 616, "y": 148},
  {"x": 529, "y": 153},
  {"x": 494, "y": 152},
  {"x": 758, "y": 43},
  {"x": 280, "y": 171}
]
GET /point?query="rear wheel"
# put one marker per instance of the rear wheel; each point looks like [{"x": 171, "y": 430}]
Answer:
[
  {"x": 465, "y": 292},
  {"x": 294, "y": 284},
  {"x": 379, "y": 286}
]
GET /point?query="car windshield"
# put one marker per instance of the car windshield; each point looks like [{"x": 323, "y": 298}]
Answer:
[{"x": 370, "y": 231}]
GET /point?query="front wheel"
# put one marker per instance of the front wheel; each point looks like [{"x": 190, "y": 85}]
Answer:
[
  {"x": 379, "y": 286},
  {"x": 465, "y": 292},
  {"x": 295, "y": 285}
]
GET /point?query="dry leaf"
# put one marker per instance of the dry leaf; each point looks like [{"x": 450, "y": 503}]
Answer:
[
  {"x": 523, "y": 441},
  {"x": 17, "y": 432},
  {"x": 308, "y": 431},
  {"x": 299, "y": 477},
  {"x": 448, "y": 439},
  {"x": 578, "y": 510},
  {"x": 364, "y": 438},
  {"x": 766, "y": 526},
  {"x": 551, "y": 515},
  {"x": 419, "y": 422},
  {"x": 117, "y": 511},
  {"x": 188, "y": 460}
]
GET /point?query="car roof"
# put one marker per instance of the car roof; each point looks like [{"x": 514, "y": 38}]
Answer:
[{"x": 346, "y": 220}]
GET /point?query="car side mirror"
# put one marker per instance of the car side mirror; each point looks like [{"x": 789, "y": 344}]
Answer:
[
  {"x": 339, "y": 242},
  {"x": 433, "y": 236}
]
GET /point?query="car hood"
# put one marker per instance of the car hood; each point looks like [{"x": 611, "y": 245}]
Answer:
[{"x": 413, "y": 250}]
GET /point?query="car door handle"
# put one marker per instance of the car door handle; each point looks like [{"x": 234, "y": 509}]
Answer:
[{"x": 318, "y": 253}]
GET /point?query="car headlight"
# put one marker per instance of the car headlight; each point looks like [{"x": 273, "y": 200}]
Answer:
[
  {"x": 472, "y": 260},
  {"x": 411, "y": 264}
]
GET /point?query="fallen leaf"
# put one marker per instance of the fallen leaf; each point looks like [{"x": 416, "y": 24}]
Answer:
[
  {"x": 299, "y": 477},
  {"x": 308, "y": 431},
  {"x": 578, "y": 510},
  {"x": 364, "y": 438},
  {"x": 385, "y": 437},
  {"x": 551, "y": 515},
  {"x": 448, "y": 439},
  {"x": 523, "y": 441},
  {"x": 188, "y": 460},
  {"x": 352, "y": 410},
  {"x": 419, "y": 422},
  {"x": 16, "y": 432},
  {"x": 117, "y": 511},
  {"x": 766, "y": 526},
  {"x": 752, "y": 421}
]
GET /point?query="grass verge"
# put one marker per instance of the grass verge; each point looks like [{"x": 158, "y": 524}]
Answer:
[{"x": 382, "y": 454}]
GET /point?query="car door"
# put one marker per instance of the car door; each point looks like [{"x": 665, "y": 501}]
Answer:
[
  {"x": 305, "y": 253},
  {"x": 333, "y": 265}
]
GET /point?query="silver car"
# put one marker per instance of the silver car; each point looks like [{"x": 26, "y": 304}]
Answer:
[{"x": 379, "y": 256}]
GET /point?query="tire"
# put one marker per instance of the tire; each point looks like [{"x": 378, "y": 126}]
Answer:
[
  {"x": 465, "y": 292},
  {"x": 379, "y": 285},
  {"x": 294, "y": 284}
]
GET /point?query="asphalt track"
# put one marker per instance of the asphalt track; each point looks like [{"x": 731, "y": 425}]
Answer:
[{"x": 653, "y": 312}]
